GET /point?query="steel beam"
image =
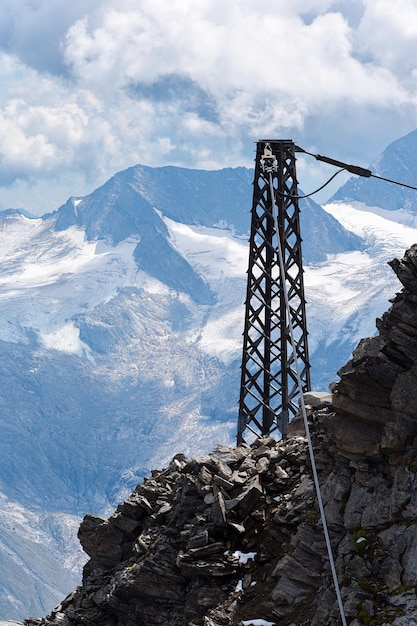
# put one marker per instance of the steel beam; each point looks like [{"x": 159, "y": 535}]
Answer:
[{"x": 275, "y": 317}]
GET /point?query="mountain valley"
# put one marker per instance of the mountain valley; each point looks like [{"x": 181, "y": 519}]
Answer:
[{"x": 121, "y": 317}]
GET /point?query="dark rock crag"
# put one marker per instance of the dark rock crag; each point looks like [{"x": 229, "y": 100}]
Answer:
[
  {"x": 235, "y": 536},
  {"x": 377, "y": 393}
]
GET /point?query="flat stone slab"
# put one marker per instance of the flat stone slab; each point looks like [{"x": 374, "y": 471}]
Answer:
[{"x": 317, "y": 399}]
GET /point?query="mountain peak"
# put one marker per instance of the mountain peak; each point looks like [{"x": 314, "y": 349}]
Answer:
[
  {"x": 8, "y": 213},
  {"x": 397, "y": 162},
  {"x": 135, "y": 201},
  {"x": 125, "y": 206}
]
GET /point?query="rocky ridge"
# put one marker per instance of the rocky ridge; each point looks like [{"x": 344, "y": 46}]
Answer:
[{"x": 235, "y": 536}]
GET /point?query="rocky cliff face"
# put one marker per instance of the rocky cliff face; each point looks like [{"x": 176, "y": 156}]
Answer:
[
  {"x": 235, "y": 537},
  {"x": 377, "y": 393}
]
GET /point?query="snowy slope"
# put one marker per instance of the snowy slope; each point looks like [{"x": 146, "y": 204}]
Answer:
[
  {"x": 40, "y": 559},
  {"x": 348, "y": 292},
  {"x": 345, "y": 293},
  {"x": 120, "y": 332},
  {"x": 397, "y": 162}
]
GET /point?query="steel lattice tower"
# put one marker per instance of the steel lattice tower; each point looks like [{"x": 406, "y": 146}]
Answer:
[{"x": 275, "y": 318}]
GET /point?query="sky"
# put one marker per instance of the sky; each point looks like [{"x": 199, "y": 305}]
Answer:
[{"x": 91, "y": 87}]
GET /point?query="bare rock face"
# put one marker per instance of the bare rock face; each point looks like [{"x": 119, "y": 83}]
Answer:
[
  {"x": 377, "y": 394},
  {"x": 235, "y": 536}
]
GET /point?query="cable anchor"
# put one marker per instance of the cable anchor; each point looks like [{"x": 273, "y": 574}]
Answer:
[{"x": 268, "y": 161}]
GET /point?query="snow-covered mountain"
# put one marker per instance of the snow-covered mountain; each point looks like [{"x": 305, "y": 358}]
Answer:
[
  {"x": 397, "y": 162},
  {"x": 121, "y": 317}
]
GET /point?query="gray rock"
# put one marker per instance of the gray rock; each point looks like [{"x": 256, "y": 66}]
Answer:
[
  {"x": 218, "y": 511},
  {"x": 409, "y": 558},
  {"x": 317, "y": 399},
  {"x": 222, "y": 482},
  {"x": 198, "y": 540},
  {"x": 244, "y": 504}
]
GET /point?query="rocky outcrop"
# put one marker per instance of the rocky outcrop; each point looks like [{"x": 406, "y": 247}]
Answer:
[
  {"x": 377, "y": 391},
  {"x": 235, "y": 536},
  {"x": 195, "y": 540}
]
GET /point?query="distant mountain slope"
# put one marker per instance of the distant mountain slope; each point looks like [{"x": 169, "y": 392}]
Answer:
[
  {"x": 40, "y": 559},
  {"x": 125, "y": 206},
  {"x": 322, "y": 234},
  {"x": 397, "y": 162}
]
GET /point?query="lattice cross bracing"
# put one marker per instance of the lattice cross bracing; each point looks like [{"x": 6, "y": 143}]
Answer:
[{"x": 275, "y": 316}]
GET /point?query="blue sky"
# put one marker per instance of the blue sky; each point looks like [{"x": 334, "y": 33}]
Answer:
[{"x": 91, "y": 87}]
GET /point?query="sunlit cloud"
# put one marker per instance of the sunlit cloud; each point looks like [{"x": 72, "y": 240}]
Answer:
[{"x": 94, "y": 87}]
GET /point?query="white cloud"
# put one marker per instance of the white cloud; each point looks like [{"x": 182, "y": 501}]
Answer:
[
  {"x": 34, "y": 30},
  {"x": 39, "y": 137},
  {"x": 388, "y": 33},
  {"x": 251, "y": 52},
  {"x": 93, "y": 87}
]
